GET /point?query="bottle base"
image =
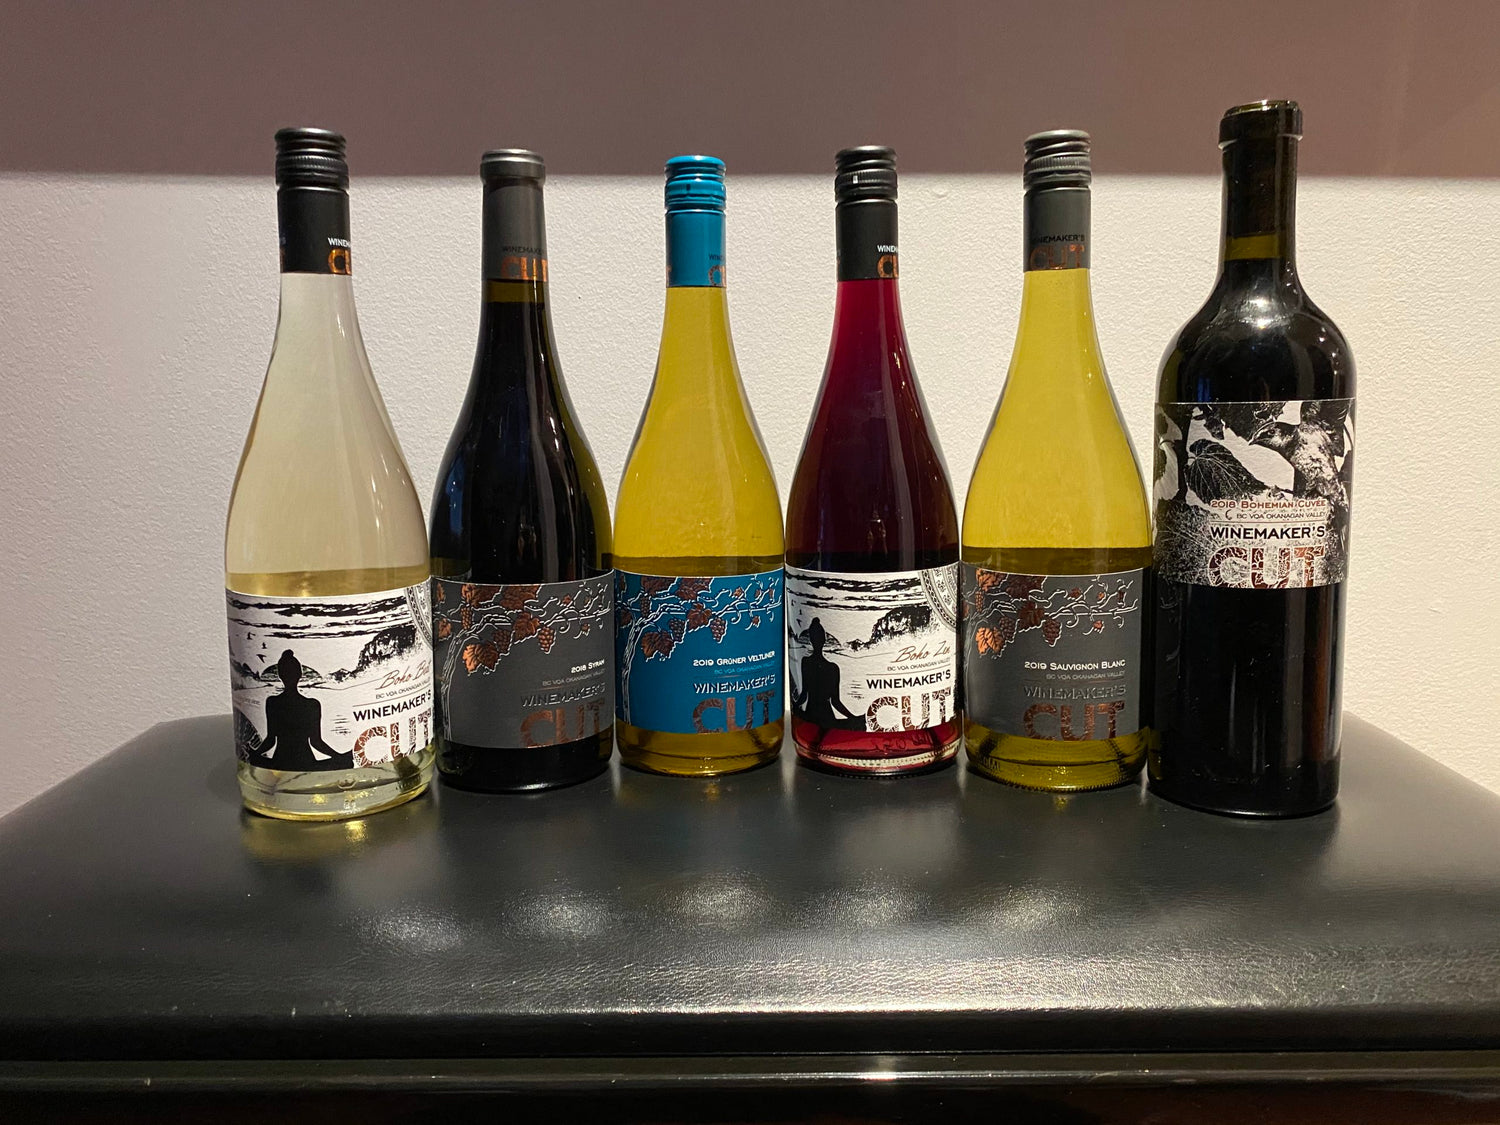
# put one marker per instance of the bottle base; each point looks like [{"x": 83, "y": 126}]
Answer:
[
  {"x": 485, "y": 769},
  {"x": 323, "y": 795},
  {"x": 1265, "y": 802},
  {"x": 875, "y": 753},
  {"x": 1055, "y": 766},
  {"x": 698, "y": 755}
]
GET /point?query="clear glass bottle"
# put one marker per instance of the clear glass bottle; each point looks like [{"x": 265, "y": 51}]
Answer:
[{"x": 325, "y": 553}]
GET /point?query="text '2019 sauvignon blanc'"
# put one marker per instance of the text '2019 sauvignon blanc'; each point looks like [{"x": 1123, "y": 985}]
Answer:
[
  {"x": 325, "y": 557},
  {"x": 699, "y": 633},
  {"x": 1254, "y": 474},
  {"x": 872, "y": 532},
  {"x": 1057, "y": 537}
]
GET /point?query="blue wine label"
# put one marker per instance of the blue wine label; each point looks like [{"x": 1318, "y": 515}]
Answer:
[
  {"x": 330, "y": 683},
  {"x": 1254, "y": 495},
  {"x": 523, "y": 665},
  {"x": 699, "y": 655},
  {"x": 1055, "y": 657}
]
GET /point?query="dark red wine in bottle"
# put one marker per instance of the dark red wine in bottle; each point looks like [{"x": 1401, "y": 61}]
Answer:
[
  {"x": 872, "y": 532},
  {"x": 1254, "y": 476},
  {"x": 522, "y": 573}
]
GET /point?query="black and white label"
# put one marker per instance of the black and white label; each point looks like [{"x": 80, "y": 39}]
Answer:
[
  {"x": 875, "y": 651},
  {"x": 1054, "y": 657},
  {"x": 330, "y": 683},
  {"x": 1254, "y": 495},
  {"x": 524, "y": 664}
]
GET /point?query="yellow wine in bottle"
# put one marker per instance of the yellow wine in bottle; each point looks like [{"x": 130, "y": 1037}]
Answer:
[
  {"x": 1056, "y": 542},
  {"x": 698, "y": 533},
  {"x": 325, "y": 553}
]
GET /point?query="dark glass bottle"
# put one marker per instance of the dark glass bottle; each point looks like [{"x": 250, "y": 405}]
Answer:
[
  {"x": 1253, "y": 475},
  {"x": 872, "y": 531},
  {"x": 522, "y": 582}
]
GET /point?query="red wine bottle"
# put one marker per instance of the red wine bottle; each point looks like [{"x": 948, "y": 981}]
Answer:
[
  {"x": 872, "y": 531},
  {"x": 1254, "y": 481}
]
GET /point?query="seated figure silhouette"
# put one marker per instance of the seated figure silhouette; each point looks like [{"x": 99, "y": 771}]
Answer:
[
  {"x": 294, "y": 725},
  {"x": 817, "y": 699}
]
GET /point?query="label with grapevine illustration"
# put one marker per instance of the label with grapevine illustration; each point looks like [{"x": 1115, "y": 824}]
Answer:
[
  {"x": 1054, "y": 657},
  {"x": 699, "y": 655},
  {"x": 523, "y": 664},
  {"x": 876, "y": 651},
  {"x": 330, "y": 683},
  {"x": 1254, "y": 495}
]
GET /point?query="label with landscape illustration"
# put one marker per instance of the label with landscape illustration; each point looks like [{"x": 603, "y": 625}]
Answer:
[
  {"x": 1055, "y": 657},
  {"x": 874, "y": 651},
  {"x": 698, "y": 655},
  {"x": 1254, "y": 495},
  {"x": 524, "y": 664},
  {"x": 330, "y": 683}
]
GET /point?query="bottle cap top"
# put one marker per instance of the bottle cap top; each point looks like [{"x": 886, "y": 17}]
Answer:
[
  {"x": 1263, "y": 120},
  {"x": 512, "y": 164},
  {"x": 695, "y": 183},
  {"x": 1057, "y": 158},
  {"x": 307, "y": 157},
  {"x": 866, "y": 172}
]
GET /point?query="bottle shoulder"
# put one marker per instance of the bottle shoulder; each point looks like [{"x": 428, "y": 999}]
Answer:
[{"x": 1257, "y": 343}]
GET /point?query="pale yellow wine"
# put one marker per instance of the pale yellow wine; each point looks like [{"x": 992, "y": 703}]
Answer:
[
  {"x": 1056, "y": 540},
  {"x": 325, "y": 552}
]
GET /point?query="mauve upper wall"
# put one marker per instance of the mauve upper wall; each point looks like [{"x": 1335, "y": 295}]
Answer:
[{"x": 1389, "y": 87}]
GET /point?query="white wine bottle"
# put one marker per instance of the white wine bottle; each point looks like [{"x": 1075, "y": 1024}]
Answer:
[
  {"x": 325, "y": 552},
  {"x": 1056, "y": 542},
  {"x": 698, "y": 538}
]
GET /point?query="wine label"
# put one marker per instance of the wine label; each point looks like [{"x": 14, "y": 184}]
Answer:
[
  {"x": 867, "y": 246},
  {"x": 314, "y": 228},
  {"x": 515, "y": 237},
  {"x": 523, "y": 665},
  {"x": 1054, "y": 657},
  {"x": 699, "y": 655},
  {"x": 1056, "y": 229},
  {"x": 695, "y": 249},
  {"x": 330, "y": 683},
  {"x": 1254, "y": 495},
  {"x": 873, "y": 651}
]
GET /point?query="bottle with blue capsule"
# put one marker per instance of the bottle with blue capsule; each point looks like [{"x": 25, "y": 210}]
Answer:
[{"x": 698, "y": 532}]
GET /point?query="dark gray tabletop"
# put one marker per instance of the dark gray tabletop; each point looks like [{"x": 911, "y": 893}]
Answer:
[{"x": 144, "y": 916}]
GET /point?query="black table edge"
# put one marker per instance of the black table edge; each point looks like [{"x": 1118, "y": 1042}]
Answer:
[{"x": 563, "y": 1075}]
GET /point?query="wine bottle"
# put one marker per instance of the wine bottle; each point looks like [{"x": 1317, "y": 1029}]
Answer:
[
  {"x": 522, "y": 587},
  {"x": 698, "y": 537},
  {"x": 1057, "y": 535},
  {"x": 1253, "y": 480},
  {"x": 325, "y": 556},
  {"x": 872, "y": 531}
]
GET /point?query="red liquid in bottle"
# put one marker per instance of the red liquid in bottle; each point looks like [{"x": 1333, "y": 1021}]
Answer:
[{"x": 872, "y": 531}]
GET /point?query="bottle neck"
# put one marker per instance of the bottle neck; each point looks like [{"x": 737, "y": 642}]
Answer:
[
  {"x": 695, "y": 326},
  {"x": 1260, "y": 205},
  {"x": 515, "y": 329},
  {"x": 867, "y": 243},
  {"x": 868, "y": 334},
  {"x": 317, "y": 289},
  {"x": 695, "y": 249},
  {"x": 1056, "y": 231}
]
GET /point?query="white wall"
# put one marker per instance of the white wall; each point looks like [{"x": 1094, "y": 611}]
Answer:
[{"x": 136, "y": 316}]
